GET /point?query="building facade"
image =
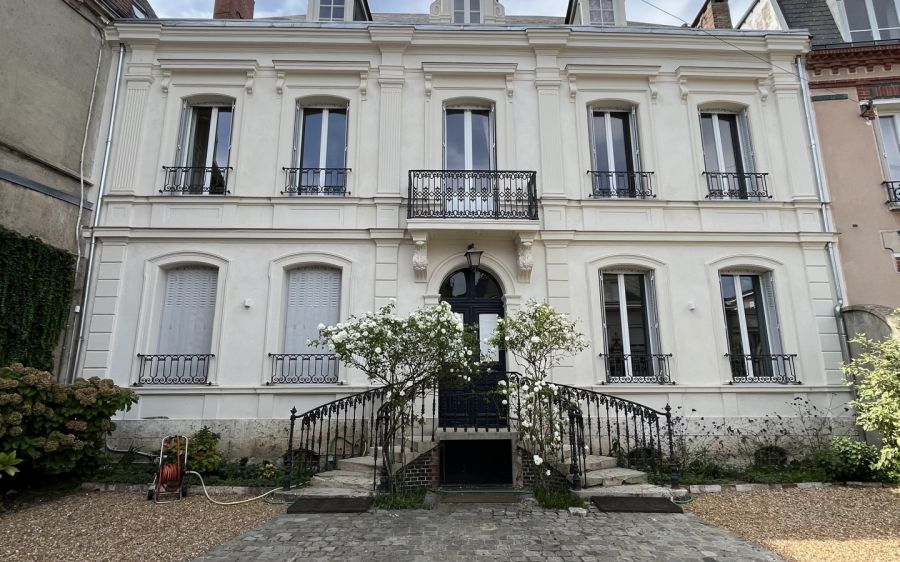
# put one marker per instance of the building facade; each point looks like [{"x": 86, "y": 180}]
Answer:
[
  {"x": 271, "y": 175},
  {"x": 855, "y": 89}
]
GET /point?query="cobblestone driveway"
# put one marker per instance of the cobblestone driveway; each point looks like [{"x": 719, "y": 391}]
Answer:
[{"x": 459, "y": 532}]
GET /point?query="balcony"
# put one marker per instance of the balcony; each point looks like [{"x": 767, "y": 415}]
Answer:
[
  {"x": 621, "y": 185},
  {"x": 763, "y": 368},
  {"x": 174, "y": 369},
  {"x": 893, "y": 194},
  {"x": 638, "y": 368},
  {"x": 737, "y": 185},
  {"x": 324, "y": 182},
  {"x": 304, "y": 368},
  {"x": 472, "y": 194},
  {"x": 196, "y": 180}
]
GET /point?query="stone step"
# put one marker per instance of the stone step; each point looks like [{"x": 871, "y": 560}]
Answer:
[
  {"x": 364, "y": 465},
  {"x": 342, "y": 479},
  {"x": 323, "y": 492},
  {"x": 613, "y": 477},
  {"x": 632, "y": 490},
  {"x": 591, "y": 462}
]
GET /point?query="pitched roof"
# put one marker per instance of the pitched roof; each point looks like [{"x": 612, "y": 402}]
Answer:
[
  {"x": 125, "y": 8},
  {"x": 813, "y": 15}
]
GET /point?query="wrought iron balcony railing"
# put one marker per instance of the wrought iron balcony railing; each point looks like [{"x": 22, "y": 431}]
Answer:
[
  {"x": 763, "y": 368},
  {"x": 652, "y": 368},
  {"x": 174, "y": 368},
  {"x": 316, "y": 181},
  {"x": 893, "y": 192},
  {"x": 304, "y": 368},
  {"x": 621, "y": 185},
  {"x": 194, "y": 180},
  {"x": 733, "y": 185},
  {"x": 472, "y": 194}
]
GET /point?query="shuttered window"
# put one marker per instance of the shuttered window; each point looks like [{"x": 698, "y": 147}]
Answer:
[
  {"x": 630, "y": 325},
  {"x": 189, "y": 307},
  {"x": 313, "y": 298}
]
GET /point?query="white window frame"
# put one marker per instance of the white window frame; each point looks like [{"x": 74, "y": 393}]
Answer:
[
  {"x": 745, "y": 143},
  {"x": 651, "y": 315},
  {"x": 186, "y": 135},
  {"x": 323, "y": 137},
  {"x": 467, "y": 134},
  {"x": 602, "y": 22},
  {"x": 467, "y": 12},
  {"x": 330, "y": 5},
  {"x": 610, "y": 154},
  {"x": 873, "y": 20},
  {"x": 769, "y": 315},
  {"x": 885, "y": 160}
]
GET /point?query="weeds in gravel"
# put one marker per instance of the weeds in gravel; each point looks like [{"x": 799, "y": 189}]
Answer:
[
  {"x": 412, "y": 499},
  {"x": 550, "y": 498}
]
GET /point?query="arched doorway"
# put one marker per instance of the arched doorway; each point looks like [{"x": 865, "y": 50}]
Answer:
[{"x": 477, "y": 297}]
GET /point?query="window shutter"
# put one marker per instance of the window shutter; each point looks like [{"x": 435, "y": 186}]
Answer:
[
  {"x": 635, "y": 141},
  {"x": 313, "y": 298},
  {"x": 748, "y": 153},
  {"x": 231, "y": 132},
  {"x": 652, "y": 312},
  {"x": 773, "y": 326},
  {"x": 493, "y": 132},
  {"x": 298, "y": 129},
  {"x": 603, "y": 318},
  {"x": 189, "y": 307},
  {"x": 184, "y": 125}
]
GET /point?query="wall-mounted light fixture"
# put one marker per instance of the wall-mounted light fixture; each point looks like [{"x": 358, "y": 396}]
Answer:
[{"x": 473, "y": 256}]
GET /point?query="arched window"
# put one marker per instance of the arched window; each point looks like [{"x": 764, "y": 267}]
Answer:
[
  {"x": 615, "y": 152},
  {"x": 751, "y": 324},
  {"x": 728, "y": 154},
  {"x": 188, "y": 311}
]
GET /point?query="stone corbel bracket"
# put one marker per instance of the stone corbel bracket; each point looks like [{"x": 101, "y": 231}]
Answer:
[
  {"x": 166, "y": 81},
  {"x": 363, "y": 84},
  {"x": 279, "y": 82},
  {"x": 525, "y": 256},
  {"x": 420, "y": 257},
  {"x": 251, "y": 77}
]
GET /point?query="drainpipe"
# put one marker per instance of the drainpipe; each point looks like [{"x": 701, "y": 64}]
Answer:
[
  {"x": 826, "y": 215},
  {"x": 98, "y": 208}
]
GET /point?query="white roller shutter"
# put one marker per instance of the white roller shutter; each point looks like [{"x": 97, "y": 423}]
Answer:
[
  {"x": 189, "y": 308},
  {"x": 313, "y": 298}
]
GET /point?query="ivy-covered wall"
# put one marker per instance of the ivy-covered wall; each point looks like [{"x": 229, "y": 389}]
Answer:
[{"x": 35, "y": 295}]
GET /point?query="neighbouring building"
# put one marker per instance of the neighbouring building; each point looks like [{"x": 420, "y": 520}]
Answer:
[
  {"x": 854, "y": 78},
  {"x": 55, "y": 75},
  {"x": 270, "y": 175}
]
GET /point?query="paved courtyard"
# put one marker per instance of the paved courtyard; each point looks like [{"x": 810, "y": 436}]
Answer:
[{"x": 460, "y": 532}]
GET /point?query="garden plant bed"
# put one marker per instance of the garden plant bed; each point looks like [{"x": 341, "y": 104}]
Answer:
[
  {"x": 832, "y": 523},
  {"x": 111, "y": 526}
]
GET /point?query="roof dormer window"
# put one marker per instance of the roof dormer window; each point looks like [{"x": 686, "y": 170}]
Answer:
[
  {"x": 602, "y": 12},
  {"x": 869, "y": 20},
  {"x": 466, "y": 11},
  {"x": 331, "y": 10}
]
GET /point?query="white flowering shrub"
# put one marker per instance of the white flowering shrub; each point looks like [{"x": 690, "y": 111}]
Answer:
[{"x": 539, "y": 338}]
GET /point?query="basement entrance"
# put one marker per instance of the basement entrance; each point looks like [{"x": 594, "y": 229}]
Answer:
[{"x": 480, "y": 462}]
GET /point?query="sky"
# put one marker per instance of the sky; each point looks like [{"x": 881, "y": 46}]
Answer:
[{"x": 637, "y": 10}]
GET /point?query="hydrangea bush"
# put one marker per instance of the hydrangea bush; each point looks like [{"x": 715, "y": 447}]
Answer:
[
  {"x": 539, "y": 338},
  {"x": 54, "y": 427}
]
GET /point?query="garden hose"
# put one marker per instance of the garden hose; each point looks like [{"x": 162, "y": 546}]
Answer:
[
  {"x": 683, "y": 500},
  {"x": 248, "y": 500}
]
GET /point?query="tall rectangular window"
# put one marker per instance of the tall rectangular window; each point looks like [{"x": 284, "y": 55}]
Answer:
[
  {"x": 313, "y": 297},
  {"x": 466, "y": 11},
  {"x": 331, "y": 10},
  {"x": 320, "y": 150},
  {"x": 615, "y": 155},
  {"x": 204, "y": 148},
  {"x": 751, "y": 323},
  {"x": 728, "y": 155},
  {"x": 469, "y": 147},
  {"x": 631, "y": 328},
  {"x": 189, "y": 306},
  {"x": 890, "y": 140},
  {"x": 870, "y": 20},
  {"x": 602, "y": 12}
]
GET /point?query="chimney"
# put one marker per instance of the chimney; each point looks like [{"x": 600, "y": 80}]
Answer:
[
  {"x": 715, "y": 14},
  {"x": 233, "y": 10}
]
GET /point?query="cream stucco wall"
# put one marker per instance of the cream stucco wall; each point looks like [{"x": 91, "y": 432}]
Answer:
[{"x": 395, "y": 80}]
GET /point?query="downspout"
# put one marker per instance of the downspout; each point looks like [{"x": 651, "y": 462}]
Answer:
[
  {"x": 98, "y": 209},
  {"x": 827, "y": 223}
]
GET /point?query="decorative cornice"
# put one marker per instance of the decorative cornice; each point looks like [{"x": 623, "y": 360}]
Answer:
[
  {"x": 612, "y": 70},
  {"x": 852, "y": 57},
  {"x": 723, "y": 72},
  {"x": 469, "y": 68},
  {"x": 208, "y": 65},
  {"x": 321, "y": 66}
]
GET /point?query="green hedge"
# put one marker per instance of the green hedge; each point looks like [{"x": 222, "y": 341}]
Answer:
[{"x": 35, "y": 295}]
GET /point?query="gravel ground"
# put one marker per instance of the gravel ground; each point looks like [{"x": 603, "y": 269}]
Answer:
[
  {"x": 107, "y": 526},
  {"x": 817, "y": 525}
]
